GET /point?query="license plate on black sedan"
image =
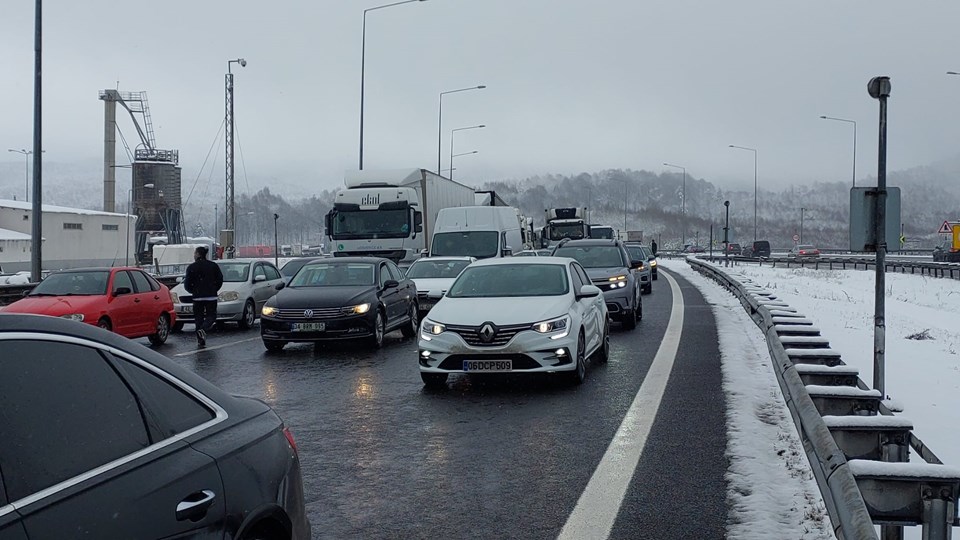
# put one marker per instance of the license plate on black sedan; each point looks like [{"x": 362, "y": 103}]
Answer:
[
  {"x": 309, "y": 327},
  {"x": 488, "y": 366}
]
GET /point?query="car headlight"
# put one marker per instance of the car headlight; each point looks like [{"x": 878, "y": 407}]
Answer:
[
  {"x": 618, "y": 278},
  {"x": 357, "y": 310},
  {"x": 73, "y": 317},
  {"x": 559, "y": 326},
  {"x": 174, "y": 297},
  {"x": 268, "y": 311},
  {"x": 653, "y": 263},
  {"x": 229, "y": 296},
  {"x": 431, "y": 328}
]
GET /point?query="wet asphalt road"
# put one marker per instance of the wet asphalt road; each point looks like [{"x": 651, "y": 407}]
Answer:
[{"x": 489, "y": 457}]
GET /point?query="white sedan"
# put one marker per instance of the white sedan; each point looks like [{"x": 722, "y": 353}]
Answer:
[
  {"x": 433, "y": 276},
  {"x": 511, "y": 315}
]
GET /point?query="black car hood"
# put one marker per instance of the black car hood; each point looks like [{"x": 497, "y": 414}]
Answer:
[{"x": 322, "y": 297}]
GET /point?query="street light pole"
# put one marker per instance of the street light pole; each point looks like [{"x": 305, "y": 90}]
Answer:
[
  {"x": 726, "y": 234},
  {"x": 363, "y": 63},
  {"x": 801, "y": 224},
  {"x": 854, "y": 122},
  {"x": 452, "y": 132},
  {"x": 879, "y": 89},
  {"x": 276, "y": 241},
  {"x": 36, "y": 227},
  {"x": 755, "y": 220},
  {"x": 26, "y": 170},
  {"x": 440, "y": 119},
  {"x": 683, "y": 200}
]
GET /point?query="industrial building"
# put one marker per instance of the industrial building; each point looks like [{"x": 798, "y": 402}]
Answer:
[{"x": 72, "y": 237}]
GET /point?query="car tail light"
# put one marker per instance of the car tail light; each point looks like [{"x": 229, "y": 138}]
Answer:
[{"x": 293, "y": 444}]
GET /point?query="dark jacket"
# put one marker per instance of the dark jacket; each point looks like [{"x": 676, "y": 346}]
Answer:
[{"x": 203, "y": 279}]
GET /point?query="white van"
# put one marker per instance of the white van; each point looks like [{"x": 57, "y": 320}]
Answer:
[{"x": 477, "y": 231}]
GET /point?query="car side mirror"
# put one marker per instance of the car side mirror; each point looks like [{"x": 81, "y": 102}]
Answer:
[
  {"x": 417, "y": 221},
  {"x": 179, "y": 279},
  {"x": 391, "y": 284},
  {"x": 120, "y": 291},
  {"x": 280, "y": 286},
  {"x": 588, "y": 291},
  {"x": 424, "y": 253},
  {"x": 258, "y": 279},
  {"x": 328, "y": 223},
  {"x": 636, "y": 265}
]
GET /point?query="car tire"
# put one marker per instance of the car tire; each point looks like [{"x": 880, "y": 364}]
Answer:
[
  {"x": 647, "y": 289},
  {"x": 603, "y": 351},
  {"x": 410, "y": 329},
  {"x": 105, "y": 324},
  {"x": 655, "y": 277},
  {"x": 579, "y": 373},
  {"x": 274, "y": 345},
  {"x": 433, "y": 380},
  {"x": 177, "y": 327},
  {"x": 639, "y": 311},
  {"x": 379, "y": 330},
  {"x": 163, "y": 330},
  {"x": 629, "y": 320},
  {"x": 248, "y": 316}
]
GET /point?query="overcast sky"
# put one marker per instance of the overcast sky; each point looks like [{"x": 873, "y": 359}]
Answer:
[{"x": 572, "y": 85}]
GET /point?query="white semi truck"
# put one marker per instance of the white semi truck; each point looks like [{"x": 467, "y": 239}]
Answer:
[
  {"x": 391, "y": 213},
  {"x": 564, "y": 223}
]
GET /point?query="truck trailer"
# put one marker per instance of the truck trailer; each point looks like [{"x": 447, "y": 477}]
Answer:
[
  {"x": 391, "y": 213},
  {"x": 564, "y": 223}
]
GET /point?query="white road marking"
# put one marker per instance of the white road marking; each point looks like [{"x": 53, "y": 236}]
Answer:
[
  {"x": 215, "y": 347},
  {"x": 600, "y": 502}
]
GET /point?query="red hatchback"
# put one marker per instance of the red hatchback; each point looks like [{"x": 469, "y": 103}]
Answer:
[{"x": 125, "y": 300}]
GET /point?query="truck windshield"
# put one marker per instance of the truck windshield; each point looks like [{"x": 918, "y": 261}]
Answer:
[
  {"x": 479, "y": 244},
  {"x": 559, "y": 231},
  {"x": 601, "y": 232},
  {"x": 371, "y": 224}
]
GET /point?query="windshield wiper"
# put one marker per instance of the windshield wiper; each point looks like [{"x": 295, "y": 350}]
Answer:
[{"x": 42, "y": 294}]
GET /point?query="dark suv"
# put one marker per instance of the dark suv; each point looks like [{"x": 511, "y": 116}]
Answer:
[
  {"x": 103, "y": 438},
  {"x": 758, "y": 249},
  {"x": 609, "y": 267}
]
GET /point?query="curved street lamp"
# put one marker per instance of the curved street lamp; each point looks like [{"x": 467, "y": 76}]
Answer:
[{"x": 452, "y": 132}]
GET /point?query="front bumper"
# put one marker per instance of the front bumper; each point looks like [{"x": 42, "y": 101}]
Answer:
[
  {"x": 528, "y": 352},
  {"x": 346, "y": 327},
  {"x": 617, "y": 300},
  {"x": 226, "y": 311}
]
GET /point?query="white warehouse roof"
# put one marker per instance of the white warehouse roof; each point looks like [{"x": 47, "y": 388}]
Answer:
[
  {"x": 6, "y": 234},
  {"x": 23, "y": 205}
]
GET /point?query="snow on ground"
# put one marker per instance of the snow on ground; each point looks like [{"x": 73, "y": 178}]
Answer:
[
  {"x": 771, "y": 491},
  {"x": 923, "y": 375}
]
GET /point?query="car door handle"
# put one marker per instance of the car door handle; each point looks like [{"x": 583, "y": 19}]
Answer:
[
  {"x": 194, "y": 507},
  {"x": 137, "y": 300},
  {"x": 156, "y": 297}
]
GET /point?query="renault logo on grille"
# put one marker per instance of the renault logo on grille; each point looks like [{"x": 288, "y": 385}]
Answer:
[
  {"x": 308, "y": 313},
  {"x": 487, "y": 332}
]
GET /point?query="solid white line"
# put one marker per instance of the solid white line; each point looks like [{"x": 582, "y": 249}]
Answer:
[
  {"x": 600, "y": 502},
  {"x": 215, "y": 347}
]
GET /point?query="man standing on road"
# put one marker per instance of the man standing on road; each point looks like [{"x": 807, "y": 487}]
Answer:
[
  {"x": 203, "y": 281},
  {"x": 653, "y": 246}
]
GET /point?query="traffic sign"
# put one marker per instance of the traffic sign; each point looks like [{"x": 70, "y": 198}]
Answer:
[
  {"x": 796, "y": 238},
  {"x": 945, "y": 228},
  {"x": 903, "y": 240}
]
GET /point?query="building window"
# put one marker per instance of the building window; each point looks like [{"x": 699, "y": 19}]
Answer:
[
  {"x": 111, "y": 227},
  {"x": 26, "y": 217},
  {"x": 73, "y": 226}
]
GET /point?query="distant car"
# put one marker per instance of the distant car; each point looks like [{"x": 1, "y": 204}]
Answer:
[
  {"x": 246, "y": 288},
  {"x": 693, "y": 249},
  {"x": 804, "y": 251},
  {"x": 759, "y": 249},
  {"x": 127, "y": 301},
  {"x": 609, "y": 267},
  {"x": 640, "y": 260},
  {"x": 341, "y": 298},
  {"x": 652, "y": 261},
  {"x": 734, "y": 249},
  {"x": 516, "y": 316},
  {"x": 433, "y": 277},
  {"x": 104, "y": 438},
  {"x": 291, "y": 267}
]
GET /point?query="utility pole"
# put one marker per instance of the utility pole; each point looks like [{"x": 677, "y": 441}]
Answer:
[
  {"x": 726, "y": 234},
  {"x": 36, "y": 229},
  {"x": 276, "y": 242},
  {"x": 801, "y": 224},
  {"x": 230, "y": 224}
]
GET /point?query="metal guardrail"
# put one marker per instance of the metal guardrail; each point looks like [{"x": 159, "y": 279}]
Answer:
[
  {"x": 11, "y": 293},
  {"x": 933, "y": 269},
  {"x": 891, "y": 491},
  {"x": 838, "y": 486}
]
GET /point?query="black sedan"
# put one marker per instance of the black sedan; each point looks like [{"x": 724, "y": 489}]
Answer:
[
  {"x": 341, "y": 298},
  {"x": 104, "y": 438}
]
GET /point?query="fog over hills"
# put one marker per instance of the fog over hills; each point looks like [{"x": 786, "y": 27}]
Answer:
[{"x": 652, "y": 200}]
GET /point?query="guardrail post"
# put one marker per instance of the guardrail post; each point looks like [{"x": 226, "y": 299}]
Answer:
[{"x": 937, "y": 512}]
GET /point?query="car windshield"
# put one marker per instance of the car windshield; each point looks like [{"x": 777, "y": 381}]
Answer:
[
  {"x": 334, "y": 275},
  {"x": 291, "y": 268},
  {"x": 426, "y": 269},
  {"x": 511, "y": 280},
  {"x": 636, "y": 253},
  {"x": 479, "y": 244},
  {"x": 559, "y": 231},
  {"x": 85, "y": 283},
  {"x": 234, "y": 272},
  {"x": 593, "y": 256},
  {"x": 381, "y": 223}
]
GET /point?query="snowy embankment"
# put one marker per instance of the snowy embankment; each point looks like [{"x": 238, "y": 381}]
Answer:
[
  {"x": 771, "y": 491},
  {"x": 923, "y": 338}
]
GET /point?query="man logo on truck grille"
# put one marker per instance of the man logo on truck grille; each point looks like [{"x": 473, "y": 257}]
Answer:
[{"x": 487, "y": 332}]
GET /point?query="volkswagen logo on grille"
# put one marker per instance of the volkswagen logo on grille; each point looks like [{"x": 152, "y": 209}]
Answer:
[
  {"x": 308, "y": 313},
  {"x": 487, "y": 332}
]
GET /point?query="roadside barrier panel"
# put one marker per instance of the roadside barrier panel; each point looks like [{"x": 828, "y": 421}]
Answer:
[{"x": 823, "y": 375}]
